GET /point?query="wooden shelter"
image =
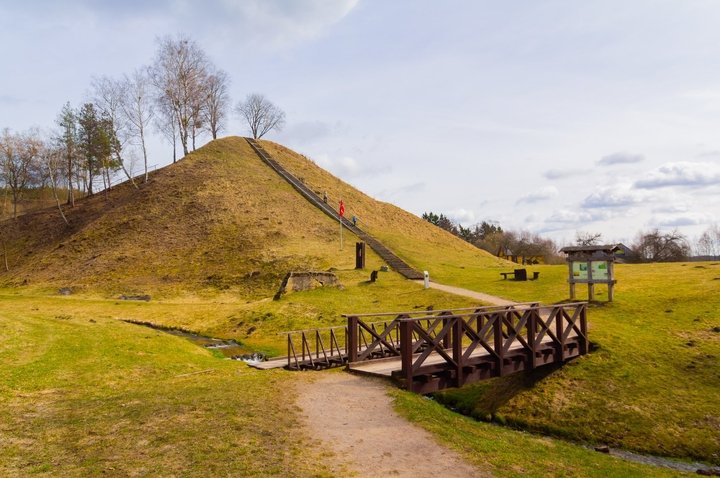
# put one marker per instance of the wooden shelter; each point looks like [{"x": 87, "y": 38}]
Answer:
[
  {"x": 507, "y": 254},
  {"x": 591, "y": 265}
]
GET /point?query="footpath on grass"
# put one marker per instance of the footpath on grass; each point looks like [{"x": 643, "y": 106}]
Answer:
[
  {"x": 352, "y": 417},
  {"x": 487, "y": 298}
]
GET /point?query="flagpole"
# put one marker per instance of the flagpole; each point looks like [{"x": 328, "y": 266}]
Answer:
[
  {"x": 341, "y": 213},
  {"x": 341, "y": 228}
]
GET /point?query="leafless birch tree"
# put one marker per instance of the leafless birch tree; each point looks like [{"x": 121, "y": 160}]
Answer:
[
  {"x": 67, "y": 140},
  {"x": 137, "y": 105},
  {"x": 217, "y": 102},
  {"x": 179, "y": 75},
  {"x": 109, "y": 96},
  {"x": 260, "y": 114}
]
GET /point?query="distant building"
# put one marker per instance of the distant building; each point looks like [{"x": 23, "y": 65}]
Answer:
[
  {"x": 624, "y": 254},
  {"x": 527, "y": 259}
]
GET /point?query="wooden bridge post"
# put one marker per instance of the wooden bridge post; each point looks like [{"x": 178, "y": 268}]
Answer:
[
  {"x": 457, "y": 350},
  {"x": 498, "y": 339},
  {"x": 560, "y": 328},
  {"x": 446, "y": 339},
  {"x": 531, "y": 327},
  {"x": 406, "y": 352},
  {"x": 352, "y": 339}
]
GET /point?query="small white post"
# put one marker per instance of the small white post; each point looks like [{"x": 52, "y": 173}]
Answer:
[{"x": 427, "y": 279}]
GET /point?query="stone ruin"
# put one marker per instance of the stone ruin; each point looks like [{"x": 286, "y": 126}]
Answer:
[{"x": 300, "y": 281}]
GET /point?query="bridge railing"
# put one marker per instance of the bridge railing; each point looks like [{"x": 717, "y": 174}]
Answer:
[
  {"x": 378, "y": 335},
  {"x": 317, "y": 348},
  {"x": 460, "y": 347}
]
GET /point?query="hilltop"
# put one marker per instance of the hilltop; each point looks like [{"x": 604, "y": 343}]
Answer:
[{"x": 219, "y": 219}]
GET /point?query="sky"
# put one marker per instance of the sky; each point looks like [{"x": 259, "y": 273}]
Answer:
[{"x": 548, "y": 116}]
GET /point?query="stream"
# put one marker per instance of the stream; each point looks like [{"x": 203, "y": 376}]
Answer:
[
  {"x": 229, "y": 348},
  {"x": 688, "y": 467}
]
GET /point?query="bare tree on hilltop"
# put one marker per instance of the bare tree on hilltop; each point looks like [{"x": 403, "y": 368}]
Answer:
[
  {"x": 179, "y": 75},
  {"x": 216, "y": 102},
  {"x": 261, "y": 115},
  {"x": 67, "y": 142},
  {"x": 138, "y": 108}
]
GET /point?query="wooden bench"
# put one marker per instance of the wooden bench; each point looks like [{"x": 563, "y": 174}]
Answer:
[{"x": 519, "y": 274}]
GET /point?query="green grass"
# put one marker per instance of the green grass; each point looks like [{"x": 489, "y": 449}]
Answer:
[
  {"x": 653, "y": 384},
  {"x": 83, "y": 394},
  {"x": 508, "y": 453},
  {"x": 98, "y": 397}
]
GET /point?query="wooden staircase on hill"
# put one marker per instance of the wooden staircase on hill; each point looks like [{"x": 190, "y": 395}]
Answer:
[{"x": 386, "y": 254}]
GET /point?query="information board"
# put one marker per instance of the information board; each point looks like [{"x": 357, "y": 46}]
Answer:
[
  {"x": 599, "y": 270},
  {"x": 580, "y": 270}
]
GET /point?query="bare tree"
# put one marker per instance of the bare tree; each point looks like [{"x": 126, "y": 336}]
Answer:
[
  {"x": 138, "y": 108},
  {"x": 217, "y": 101},
  {"x": 179, "y": 75},
  {"x": 19, "y": 161},
  {"x": 583, "y": 238},
  {"x": 109, "y": 97},
  {"x": 52, "y": 160},
  {"x": 67, "y": 140},
  {"x": 261, "y": 115},
  {"x": 709, "y": 242},
  {"x": 654, "y": 246}
]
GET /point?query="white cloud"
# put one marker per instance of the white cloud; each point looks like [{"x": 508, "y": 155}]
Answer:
[
  {"x": 565, "y": 216},
  {"x": 462, "y": 216},
  {"x": 682, "y": 173},
  {"x": 563, "y": 173},
  {"x": 613, "y": 197},
  {"x": 621, "y": 158},
  {"x": 543, "y": 194},
  {"x": 688, "y": 219}
]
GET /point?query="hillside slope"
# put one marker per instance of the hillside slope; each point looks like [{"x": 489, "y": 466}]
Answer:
[
  {"x": 416, "y": 241},
  {"x": 218, "y": 219}
]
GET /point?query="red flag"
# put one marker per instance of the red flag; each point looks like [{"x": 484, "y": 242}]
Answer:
[{"x": 342, "y": 208}]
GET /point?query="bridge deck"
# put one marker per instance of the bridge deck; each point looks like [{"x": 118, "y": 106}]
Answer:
[{"x": 390, "y": 366}]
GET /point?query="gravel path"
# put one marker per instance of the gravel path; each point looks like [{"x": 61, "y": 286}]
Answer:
[
  {"x": 353, "y": 417},
  {"x": 487, "y": 298}
]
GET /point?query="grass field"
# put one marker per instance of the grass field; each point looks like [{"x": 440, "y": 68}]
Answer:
[
  {"x": 83, "y": 394},
  {"x": 653, "y": 384},
  {"x": 97, "y": 397}
]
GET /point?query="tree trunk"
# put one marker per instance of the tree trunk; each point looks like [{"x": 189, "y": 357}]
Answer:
[
  {"x": 57, "y": 199},
  {"x": 5, "y": 258},
  {"x": 144, "y": 150},
  {"x": 71, "y": 193}
]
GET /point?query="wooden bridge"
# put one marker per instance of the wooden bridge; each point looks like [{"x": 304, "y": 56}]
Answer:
[{"x": 426, "y": 351}]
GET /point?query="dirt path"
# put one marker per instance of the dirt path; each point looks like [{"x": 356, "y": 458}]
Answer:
[
  {"x": 353, "y": 417},
  {"x": 490, "y": 299}
]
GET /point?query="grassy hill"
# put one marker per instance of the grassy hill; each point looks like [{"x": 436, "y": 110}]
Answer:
[
  {"x": 219, "y": 219},
  {"x": 413, "y": 239}
]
